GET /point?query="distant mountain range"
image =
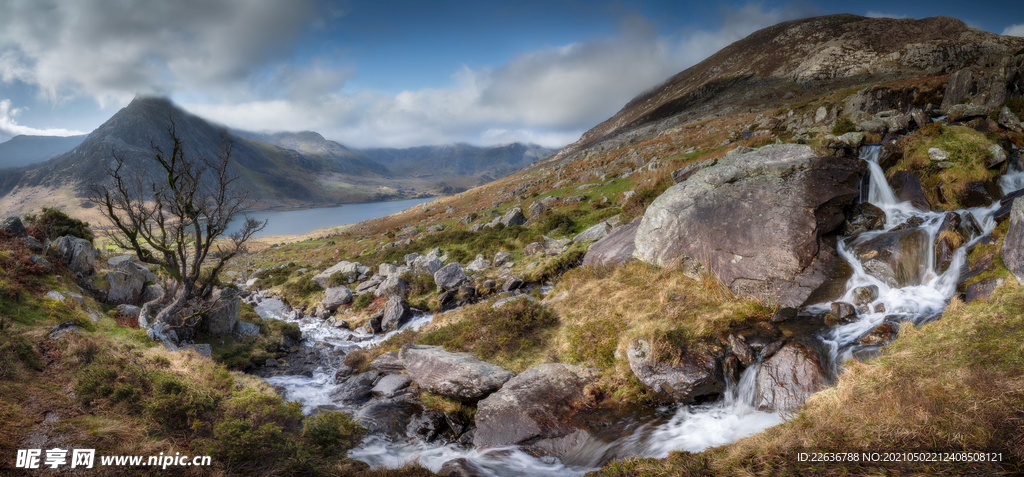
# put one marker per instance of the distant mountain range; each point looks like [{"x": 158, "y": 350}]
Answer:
[
  {"x": 278, "y": 169},
  {"x": 22, "y": 151}
]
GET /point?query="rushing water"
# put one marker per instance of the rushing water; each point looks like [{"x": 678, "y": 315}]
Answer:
[
  {"x": 302, "y": 221},
  {"x": 693, "y": 427}
]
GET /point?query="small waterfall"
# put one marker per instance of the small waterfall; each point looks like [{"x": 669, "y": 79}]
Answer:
[
  {"x": 1013, "y": 180},
  {"x": 915, "y": 302}
]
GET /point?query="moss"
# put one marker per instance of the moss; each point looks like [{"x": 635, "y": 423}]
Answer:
[{"x": 968, "y": 151}]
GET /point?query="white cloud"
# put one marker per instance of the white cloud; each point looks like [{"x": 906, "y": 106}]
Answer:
[
  {"x": 1014, "y": 30},
  {"x": 9, "y": 127},
  {"x": 111, "y": 49},
  {"x": 874, "y": 14},
  {"x": 549, "y": 97}
]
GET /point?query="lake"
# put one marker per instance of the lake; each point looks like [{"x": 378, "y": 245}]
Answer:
[{"x": 303, "y": 221}]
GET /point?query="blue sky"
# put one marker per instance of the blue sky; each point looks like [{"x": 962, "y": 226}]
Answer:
[{"x": 383, "y": 73}]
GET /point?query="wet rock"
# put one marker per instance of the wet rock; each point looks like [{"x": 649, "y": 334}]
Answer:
[
  {"x": 388, "y": 363},
  {"x": 789, "y": 377},
  {"x": 693, "y": 375},
  {"x": 461, "y": 467},
  {"x": 864, "y": 217},
  {"x": 614, "y": 249},
  {"x": 77, "y": 253},
  {"x": 459, "y": 376},
  {"x": 450, "y": 277},
  {"x": 947, "y": 240},
  {"x": 898, "y": 257},
  {"x": 396, "y": 314},
  {"x": 906, "y": 186},
  {"x": 537, "y": 410},
  {"x": 336, "y": 296},
  {"x": 756, "y": 219},
  {"x": 392, "y": 286},
  {"x": 982, "y": 289},
  {"x": 889, "y": 155},
  {"x": 865, "y": 295},
  {"x": 841, "y": 313},
  {"x": 390, "y": 385},
  {"x": 881, "y": 335},
  {"x": 1013, "y": 245},
  {"x": 390, "y": 418},
  {"x": 356, "y": 389},
  {"x": 979, "y": 194},
  {"x": 14, "y": 226},
  {"x": 784, "y": 314},
  {"x": 741, "y": 349}
]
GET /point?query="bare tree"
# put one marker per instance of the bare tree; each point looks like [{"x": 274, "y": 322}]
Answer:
[{"x": 176, "y": 224}]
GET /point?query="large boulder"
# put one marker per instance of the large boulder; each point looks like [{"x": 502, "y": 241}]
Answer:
[
  {"x": 756, "y": 220},
  {"x": 513, "y": 217},
  {"x": 126, "y": 282},
  {"x": 789, "y": 377},
  {"x": 459, "y": 376},
  {"x": 223, "y": 314},
  {"x": 77, "y": 253},
  {"x": 336, "y": 296},
  {"x": 396, "y": 314},
  {"x": 1009, "y": 120},
  {"x": 450, "y": 276},
  {"x": 594, "y": 233},
  {"x": 1013, "y": 244},
  {"x": 348, "y": 270},
  {"x": 692, "y": 375},
  {"x": 537, "y": 410},
  {"x": 614, "y": 249},
  {"x": 906, "y": 186}
]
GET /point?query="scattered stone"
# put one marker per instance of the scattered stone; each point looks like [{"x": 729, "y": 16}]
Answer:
[
  {"x": 461, "y": 467},
  {"x": 38, "y": 260},
  {"x": 937, "y": 155},
  {"x": 865, "y": 295},
  {"x": 998, "y": 156},
  {"x": 459, "y": 376},
  {"x": 396, "y": 314},
  {"x": 1010, "y": 121},
  {"x": 513, "y": 283},
  {"x": 245, "y": 329},
  {"x": 513, "y": 217},
  {"x": 392, "y": 286},
  {"x": 500, "y": 258},
  {"x": 841, "y": 313},
  {"x": 348, "y": 270},
  {"x": 386, "y": 269},
  {"x": 77, "y": 253},
  {"x": 336, "y": 296},
  {"x": 223, "y": 314},
  {"x": 62, "y": 330},
  {"x": 450, "y": 277},
  {"x": 479, "y": 264},
  {"x": 14, "y": 226}
]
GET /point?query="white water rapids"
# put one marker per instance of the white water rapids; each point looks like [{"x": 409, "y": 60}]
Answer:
[{"x": 692, "y": 428}]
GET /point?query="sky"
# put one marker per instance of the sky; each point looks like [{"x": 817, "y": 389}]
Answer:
[{"x": 384, "y": 73}]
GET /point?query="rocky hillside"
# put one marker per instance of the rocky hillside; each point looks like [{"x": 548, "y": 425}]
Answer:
[
  {"x": 488, "y": 163},
  {"x": 783, "y": 63}
]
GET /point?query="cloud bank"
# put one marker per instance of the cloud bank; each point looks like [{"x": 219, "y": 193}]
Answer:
[
  {"x": 9, "y": 127},
  {"x": 1014, "y": 30},
  {"x": 228, "y": 61}
]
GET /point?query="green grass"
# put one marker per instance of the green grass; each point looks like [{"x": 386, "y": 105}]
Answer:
[{"x": 968, "y": 151}]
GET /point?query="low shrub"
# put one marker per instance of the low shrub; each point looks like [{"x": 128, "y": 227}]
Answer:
[
  {"x": 332, "y": 432},
  {"x": 52, "y": 223},
  {"x": 505, "y": 333}
]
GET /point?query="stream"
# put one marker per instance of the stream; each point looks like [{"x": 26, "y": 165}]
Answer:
[{"x": 656, "y": 432}]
